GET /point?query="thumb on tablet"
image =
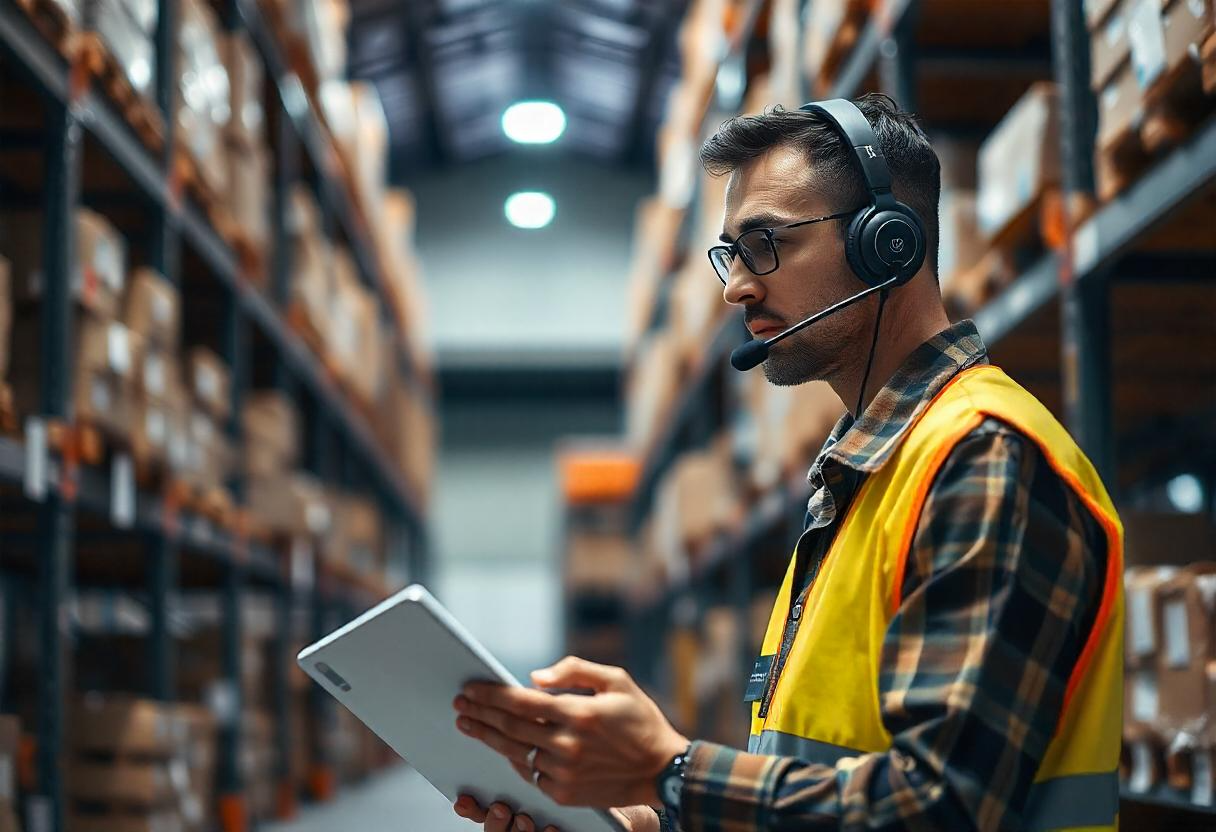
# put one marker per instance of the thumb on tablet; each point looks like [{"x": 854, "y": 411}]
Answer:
[{"x": 573, "y": 672}]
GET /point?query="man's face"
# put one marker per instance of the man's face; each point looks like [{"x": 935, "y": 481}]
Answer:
[{"x": 774, "y": 190}]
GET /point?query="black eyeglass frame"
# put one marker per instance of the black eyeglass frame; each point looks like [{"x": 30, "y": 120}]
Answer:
[{"x": 734, "y": 250}]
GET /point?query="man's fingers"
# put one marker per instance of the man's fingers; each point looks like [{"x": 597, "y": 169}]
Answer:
[
  {"x": 523, "y": 823},
  {"x": 521, "y": 729},
  {"x": 573, "y": 672},
  {"x": 468, "y": 808},
  {"x": 507, "y": 747},
  {"x": 499, "y": 819},
  {"x": 523, "y": 703}
]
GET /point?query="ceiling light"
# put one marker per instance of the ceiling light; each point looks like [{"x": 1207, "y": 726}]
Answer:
[
  {"x": 534, "y": 122},
  {"x": 529, "y": 209},
  {"x": 1186, "y": 493}
]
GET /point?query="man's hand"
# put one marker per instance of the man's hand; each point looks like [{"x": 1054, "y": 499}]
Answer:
[
  {"x": 500, "y": 818},
  {"x": 601, "y": 751}
]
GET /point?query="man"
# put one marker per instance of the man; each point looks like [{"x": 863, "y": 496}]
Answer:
[{"x": 945, "y": 652}]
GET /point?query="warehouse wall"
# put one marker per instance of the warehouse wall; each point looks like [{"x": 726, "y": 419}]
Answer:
[
  {"x": 497, "y": 519},
  {"x": 561, "y": 287}
]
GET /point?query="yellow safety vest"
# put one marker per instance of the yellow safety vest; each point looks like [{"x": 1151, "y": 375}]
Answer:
[{"x": 826, "y": 704}]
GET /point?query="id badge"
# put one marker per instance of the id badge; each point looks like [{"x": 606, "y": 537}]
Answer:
[{"x": 758, "y": 679}]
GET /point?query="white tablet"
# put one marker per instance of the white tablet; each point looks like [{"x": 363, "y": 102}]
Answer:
[{"x": 397, "y": 668}]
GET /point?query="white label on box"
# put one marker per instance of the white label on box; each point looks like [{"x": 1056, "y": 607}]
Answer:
[
  {"x": 154, "y": 373},
  {"x": 1147, "y": 38},
  {"x": 1140, "y": 621},
  {"x": 303, "y": 570},
  {"x": 122, "y": 491},
  {"x": 162, "y": 309},
  {"x": 1141, "y": 779},
  {"x": 1201, "y": 776},
  {"x": 119, "y": 348},
  {"x": 38, "y": 815},
  {"x": 99, "y": 395},
  {"x": 1205, "y": 585},
  {"x": 1144, "y": 696},
  {"x": 108, "y": 264},
  {"x": 1176, "y": 636},
  {"x": 156, "y": 427},
  {"x": 208, "y": 382},
  {"x": 222, "y": 699},
  {"x": 35, "y": 458}
]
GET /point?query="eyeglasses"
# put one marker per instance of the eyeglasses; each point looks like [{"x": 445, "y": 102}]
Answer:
[{"x": 757, "y": 249}]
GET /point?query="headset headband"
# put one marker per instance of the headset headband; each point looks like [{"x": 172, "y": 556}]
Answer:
[{"x": 859, "y": 135}]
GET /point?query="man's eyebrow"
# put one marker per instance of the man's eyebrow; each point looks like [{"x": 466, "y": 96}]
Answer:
[{"x": 752, "y": 223}]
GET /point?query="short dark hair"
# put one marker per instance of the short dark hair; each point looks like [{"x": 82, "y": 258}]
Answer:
[{"x": 915, "y": 170}]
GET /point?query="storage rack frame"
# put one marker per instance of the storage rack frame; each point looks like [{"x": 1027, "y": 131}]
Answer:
[
  {"x": 57, "y": 485},
  {"x": 1079, "y": 277}
]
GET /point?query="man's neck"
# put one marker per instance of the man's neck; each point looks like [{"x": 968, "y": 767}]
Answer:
[{"x": 904, "y": 328}]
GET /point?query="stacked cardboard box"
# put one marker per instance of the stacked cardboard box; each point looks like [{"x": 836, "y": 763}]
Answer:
[
  {"x": 407, "y": 429},
  {"x": 1170, "y": 655},
  {"x": 697, "y": 499},
  {"x": 204, "y": 101},
  {"x": 394, "y": 229},
  {"x": 653, "y": 388},
  {"x": 1138, "y": 50},
  {"x": 209, "y": 403},
  {"x": 355, "y": 337},
  {"x": 106, "y": 352},
  {"x": 152, "y": 313},
  {"x": 318, "y": 29},
  {"x": 10, "y": 740},
  {"x": 598, "y": 561},
  {"x": 128, "y": 30},
  {"x": 356, "y": 120},
  {"x": 313, "y": 260},
  {"x": 257, "y": 762},
  {"x": 129, "y": 765},
  {"x": 355, "y": 537},
  {"x": 248, "y": 194},
  {"x": 1019, "y": 160}
]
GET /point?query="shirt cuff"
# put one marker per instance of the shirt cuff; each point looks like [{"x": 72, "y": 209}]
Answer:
[{"x": 717, "y": 775}]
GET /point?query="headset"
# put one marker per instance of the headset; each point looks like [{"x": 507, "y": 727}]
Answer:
[{"x": 884, "y": 240}]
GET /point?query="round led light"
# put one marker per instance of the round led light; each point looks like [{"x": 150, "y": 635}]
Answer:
[
  {"x": 534, "y": 122},
  {"x": 530, "y": 209}
]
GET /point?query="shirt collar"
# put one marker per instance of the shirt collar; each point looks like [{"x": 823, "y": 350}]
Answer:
[{"x": 867, "y": 443}]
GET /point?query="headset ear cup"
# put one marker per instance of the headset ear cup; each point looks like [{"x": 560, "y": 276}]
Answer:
[
  {"x": 892, "y": 242},
  {"x": 853, "y": 248}
]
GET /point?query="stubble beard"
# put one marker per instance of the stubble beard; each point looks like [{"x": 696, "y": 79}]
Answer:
[{"x": 797, "y": 362}]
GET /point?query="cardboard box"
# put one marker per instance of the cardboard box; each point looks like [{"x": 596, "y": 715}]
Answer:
[
  {"x": 1188, "y": 644},
  {"x": 124, "y": 726},
  {"x": 138, "y": 783},
  {"x": 598, "y": 561},
  {"x": 153, "y": 308},
  {"x": 248, "y": 196},
  {"x": 1120, "y": 105},
  {"x": 271, "y": 421},
  {"x": 1142, "y": 633},
  {"x": 355, "y": 537},
  {"x": 1096, "y": 11},
  {"x": 369, "y": 162},
  {"x": 291, "y": 505},
  {"x": 1109, "y": 46},
  {"x": 210, "y": 383},
  {"x": 1019, "y": 159},
  {"x": 128, "y": 29},
  {"x": 125, "y": 820},
  {"x": 1186, "y": 25},
  {"x": 247, "y": 125},
  {"x": 99, "y": 275},
  {"x": 204, "y": 98},
  {"x": 960, "y": 245}
]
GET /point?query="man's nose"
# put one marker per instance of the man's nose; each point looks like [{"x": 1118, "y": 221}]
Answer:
[{"x": 742, "y": 287}]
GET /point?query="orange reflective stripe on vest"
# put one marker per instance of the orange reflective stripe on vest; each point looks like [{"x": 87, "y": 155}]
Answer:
[{"x": 826, "y": 703}]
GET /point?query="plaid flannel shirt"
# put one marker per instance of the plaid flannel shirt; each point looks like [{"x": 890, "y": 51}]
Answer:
[{"x": 1004, "y": 580}]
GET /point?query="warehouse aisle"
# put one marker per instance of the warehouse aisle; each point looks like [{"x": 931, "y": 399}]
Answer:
[{"x": 397, "y": 801}]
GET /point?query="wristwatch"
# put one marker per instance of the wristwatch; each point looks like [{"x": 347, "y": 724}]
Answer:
[{"x": 671, "y": 780}]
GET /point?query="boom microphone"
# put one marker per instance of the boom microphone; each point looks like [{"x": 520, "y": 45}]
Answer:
[{"x": 753, "y": 353}]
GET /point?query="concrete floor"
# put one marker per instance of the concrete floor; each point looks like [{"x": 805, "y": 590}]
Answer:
[{"x": 396, "y": 801}]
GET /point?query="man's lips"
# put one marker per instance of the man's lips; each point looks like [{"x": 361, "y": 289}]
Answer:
[{"x": 763, "y": 330}]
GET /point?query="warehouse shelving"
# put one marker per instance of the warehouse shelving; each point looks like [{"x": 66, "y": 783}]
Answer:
[
  {"x": 1053, "y": 327},
  {"x": 178, "y": 548}
]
